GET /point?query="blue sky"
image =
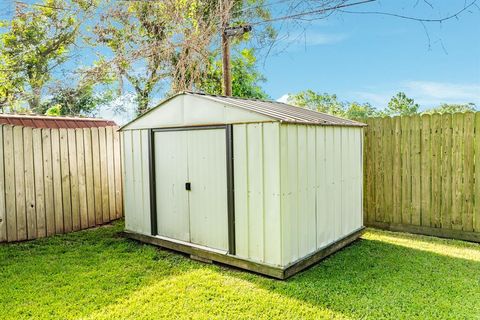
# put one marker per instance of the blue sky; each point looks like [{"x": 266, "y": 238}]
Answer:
[{"x": 368, "y": 58}]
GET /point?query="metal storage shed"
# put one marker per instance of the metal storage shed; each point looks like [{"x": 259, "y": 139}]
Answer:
[{"x": 260, "y": 185}]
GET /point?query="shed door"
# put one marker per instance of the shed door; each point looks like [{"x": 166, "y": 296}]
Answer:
[
  {"x": 170, "y": 177},
  {"x": 199, "y": 215},
  {"x": 208, "y": 198}
]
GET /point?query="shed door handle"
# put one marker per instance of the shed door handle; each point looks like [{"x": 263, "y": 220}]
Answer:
[{"x": 188, "y": 186}]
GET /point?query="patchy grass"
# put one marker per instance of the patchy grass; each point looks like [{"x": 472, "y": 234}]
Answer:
[{"x": 97, "y": 275}]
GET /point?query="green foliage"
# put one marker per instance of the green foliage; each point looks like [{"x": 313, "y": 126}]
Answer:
[
  {"x": 452, "y": 108},
  {"x": 96, "y": 274},
  {"x": 175, "y": 43},
  {"x": 401, "y": 105},
  {"x": 81, "y": 100},
  {"x": 329, "y": 103},
  {"x": 245, "y": 76},
  {"x": 326, "y": 103},
  {"x": 36, "y": 42},
  {"x": 55, "y": 110},
  {"x": 358, "y": 111}
]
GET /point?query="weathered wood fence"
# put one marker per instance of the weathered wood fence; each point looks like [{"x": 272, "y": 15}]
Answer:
[
  {"x": 57, "y": 180},
  {"x": 422, "y": 174}
]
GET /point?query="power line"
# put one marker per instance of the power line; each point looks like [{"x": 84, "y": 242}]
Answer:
[
  {"x": 413, "y": 18},
  {"x": 301, "y": 14}
]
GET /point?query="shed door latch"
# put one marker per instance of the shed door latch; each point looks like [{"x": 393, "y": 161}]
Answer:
[{"x": 188, "y": 186}]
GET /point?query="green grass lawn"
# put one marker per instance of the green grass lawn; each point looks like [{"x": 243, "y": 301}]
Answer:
[{"x": 96, "y": 274}]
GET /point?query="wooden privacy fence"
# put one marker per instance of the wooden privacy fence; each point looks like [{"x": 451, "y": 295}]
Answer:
[
  {"x": 422, "y": 174},
  {"x": 57, "y": 180}
]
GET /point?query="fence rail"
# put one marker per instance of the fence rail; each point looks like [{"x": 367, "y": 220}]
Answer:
[
  {"x": 58, "y": 180},
  {"x": 422, "y": 174}
]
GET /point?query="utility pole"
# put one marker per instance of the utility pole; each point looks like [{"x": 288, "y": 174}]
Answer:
[
  {"x": 227, "y": 79},
  {"x": 228, "y": 32}
]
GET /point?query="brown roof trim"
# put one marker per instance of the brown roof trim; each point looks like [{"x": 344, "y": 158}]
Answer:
[{"x": 40, "y": 121}]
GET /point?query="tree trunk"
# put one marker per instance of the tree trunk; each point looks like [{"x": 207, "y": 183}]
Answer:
[
  {"x": 35, "y": 100},
  {"x": 143, "y": 98}
]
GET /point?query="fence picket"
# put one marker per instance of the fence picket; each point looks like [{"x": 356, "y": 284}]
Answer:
[
  {"x": 415, "y": 142},
  {"x": 29, "y": 183},
  {"x": 437, "y": 173},
  {"x": 47, "y": 150},
  {"x": 476, "y": 216},
  {"x": 82, "y": 185},
  {"x": 118, "y": 174},
  {"x": 3, "y": 213},
  {"x": 468, "y": 171},
  {"x": 87, "y": 140},
  {"x": 39, "y": 183},
  {"x": 19, "y": 167},
  {"x": 426, "y": 174},
  {"x": 110, "y": 172},
  {"x": 457, "y": 170}
]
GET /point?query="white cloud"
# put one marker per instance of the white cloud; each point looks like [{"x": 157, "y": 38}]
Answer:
[
  {"x": 312, "y": 38},
  {"x": 283, "y": 98},
  {"x": 429, "y": 92}
]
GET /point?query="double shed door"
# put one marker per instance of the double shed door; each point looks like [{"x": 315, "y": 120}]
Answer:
[{"x": 198, "y": 215}]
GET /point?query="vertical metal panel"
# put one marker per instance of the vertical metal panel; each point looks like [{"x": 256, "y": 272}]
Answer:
[
  {"x": 271, "y": 193},
  {"x": 208, "y": 197},
  {"x": 291, "y": 210},
  {"x": 137, "y": 186},
  {"x": 240, "y": 156},
  {"x": 337, "y": 190},
  {"x": 345, "y": 181},
  {"x": 330, "y": 183},
  {"x": 306, "y": 191},
  {"x": 323, "y": 227},
  {"x": 171, "y": 174},
  {"x": 129, "y": 197},
  {"x": 255, "y": 192},
  {"x": 311, "y": 190},
  {"x": 257, "y": 183},
  {"x": 143, "y": 192},
  {"x": 286, "y": 234}
]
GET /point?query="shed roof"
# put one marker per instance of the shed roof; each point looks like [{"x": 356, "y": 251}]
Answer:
[
  {"x": 274, "y": 110},
  {"x": 40, "y": 121},
  {"x": 281, "y": 111}
]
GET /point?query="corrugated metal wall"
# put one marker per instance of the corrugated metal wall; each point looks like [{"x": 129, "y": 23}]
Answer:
[
  {"x": 137, "y": 186},
  {"x": 257, "y": 191},
  {"x": 321, "y": 187},
  {"x": 298, "y": 188}
]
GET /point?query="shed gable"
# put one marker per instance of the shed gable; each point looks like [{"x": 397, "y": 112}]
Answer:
[{"x": 189, "y": 110}]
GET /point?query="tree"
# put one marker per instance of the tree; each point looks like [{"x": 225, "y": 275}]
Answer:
[
  {"x": 452, "y": 108},
  {"x": 357, "y": 111},
  {"x": 325, "y": 102},
  {"x": 245, "y": 77},
  {"x": 401, "y": 105},
  {"x": 75, "y": 101},
  {"x": 171, "y": 42},
  {"x": 37, "y": 41}
]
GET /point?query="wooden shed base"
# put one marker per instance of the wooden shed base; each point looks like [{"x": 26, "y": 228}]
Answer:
[{"x": 265, "y": 269}]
